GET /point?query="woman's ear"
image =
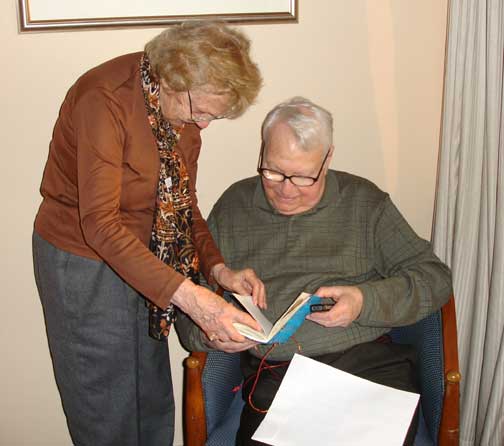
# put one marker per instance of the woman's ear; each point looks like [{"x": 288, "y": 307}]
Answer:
[{"x": 166, "y": 88}]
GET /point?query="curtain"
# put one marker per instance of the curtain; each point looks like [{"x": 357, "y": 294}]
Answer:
[{"x": 468, "y": 231}]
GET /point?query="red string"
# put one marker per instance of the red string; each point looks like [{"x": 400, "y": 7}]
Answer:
[{"x": 263, "y": 365}]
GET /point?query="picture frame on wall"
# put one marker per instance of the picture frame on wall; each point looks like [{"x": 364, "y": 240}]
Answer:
[{"x": 46, "y": 15}]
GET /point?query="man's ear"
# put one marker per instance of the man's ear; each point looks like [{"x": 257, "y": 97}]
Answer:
[{"x": 329, "y": 157}]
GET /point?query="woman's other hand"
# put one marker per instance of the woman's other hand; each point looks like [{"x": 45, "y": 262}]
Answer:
[
  {"x": 211, "y": 313},
  {"x": 243, "y": 282}
]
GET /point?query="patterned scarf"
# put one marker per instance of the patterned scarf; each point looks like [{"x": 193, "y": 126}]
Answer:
[{"x": 171, "y": 236}]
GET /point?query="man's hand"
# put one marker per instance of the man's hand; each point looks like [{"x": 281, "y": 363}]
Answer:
[
  {"x": 348, "y": 305},
  {"x": 244, "y": 282},
  {"x": 213, "y": 314}
]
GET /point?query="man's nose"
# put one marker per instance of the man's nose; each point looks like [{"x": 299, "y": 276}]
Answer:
[{"x": 288, "y": 187}]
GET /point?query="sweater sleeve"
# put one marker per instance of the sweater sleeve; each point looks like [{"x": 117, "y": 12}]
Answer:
[
  {"x": 190, "y": 146},
  {"x": 100, "y": 138},
  {"x": 190, "y": 335},
  {"x": 414, "y": 281}
]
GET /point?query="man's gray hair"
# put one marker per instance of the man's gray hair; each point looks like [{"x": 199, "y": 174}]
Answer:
[{"x": 311, "y": 124}]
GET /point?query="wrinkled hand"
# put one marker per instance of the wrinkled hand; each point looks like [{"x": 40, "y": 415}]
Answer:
[
  {"x": 213, "y": 314},
  {"x": 243, "y": 281},
  {"x": 348, "y": 305},
  {"x": 230, "y": 346}
]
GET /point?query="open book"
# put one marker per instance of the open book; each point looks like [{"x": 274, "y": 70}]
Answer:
[{"x": 286, "y": 324}]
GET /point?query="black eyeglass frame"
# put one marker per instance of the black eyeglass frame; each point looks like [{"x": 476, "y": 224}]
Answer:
[
  {"x": 193, "y": 119},
  {"x": 261, "y": 170}
]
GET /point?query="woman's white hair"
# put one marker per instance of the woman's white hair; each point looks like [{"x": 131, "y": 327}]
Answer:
[{"x": 311, "y": 124}]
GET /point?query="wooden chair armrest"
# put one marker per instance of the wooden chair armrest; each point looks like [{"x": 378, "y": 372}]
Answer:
[
  {"x": 195, "y": 433},
  {"x": 449, "y": 428}
]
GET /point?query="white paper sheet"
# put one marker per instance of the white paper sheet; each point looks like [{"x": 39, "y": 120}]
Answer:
[{"x": 317, "y": 404}]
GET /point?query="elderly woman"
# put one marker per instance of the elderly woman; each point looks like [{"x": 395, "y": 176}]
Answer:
[{"x": 119, "y": 239}]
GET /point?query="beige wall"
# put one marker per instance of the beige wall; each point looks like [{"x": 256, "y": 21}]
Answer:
[{"x": 376, "y": 64}]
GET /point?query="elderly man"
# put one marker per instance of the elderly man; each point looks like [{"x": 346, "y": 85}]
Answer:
[{"x": 304, "y": 227}]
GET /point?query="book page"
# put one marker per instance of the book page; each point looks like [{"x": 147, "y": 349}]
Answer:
[
  {"x": 284, "y": 318},
  {"x": 270, "y": 330},
  {"x": 255, "y": 312},
  {"x": 250, "y": 333}
]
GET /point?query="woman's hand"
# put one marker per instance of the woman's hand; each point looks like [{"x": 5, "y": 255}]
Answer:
[
  {"x": 348, "y": 305},
  {"x": 229, "y": 346},
  {"x": 211, "y": 313},
  {"x": 244, "y": 282}
]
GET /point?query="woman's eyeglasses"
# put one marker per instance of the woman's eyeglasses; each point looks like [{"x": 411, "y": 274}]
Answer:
[{"x": 201, "y": 117}]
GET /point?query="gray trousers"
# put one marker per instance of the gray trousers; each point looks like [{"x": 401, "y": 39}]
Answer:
[{"x": 114, "y": 380}]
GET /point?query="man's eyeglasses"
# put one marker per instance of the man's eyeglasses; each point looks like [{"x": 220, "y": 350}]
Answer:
[
  {"x": 279, "y": 177},
  {"x": 201, "y": 117}
]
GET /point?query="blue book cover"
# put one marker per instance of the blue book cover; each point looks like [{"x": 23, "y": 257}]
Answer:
[{"x": 284, "y": 327}]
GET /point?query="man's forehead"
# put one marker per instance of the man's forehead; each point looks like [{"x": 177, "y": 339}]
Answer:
[
  {"x": 280, "y": 129},
  {"x": 286, "y": 145},
  {"x": 281, "y": 138}
]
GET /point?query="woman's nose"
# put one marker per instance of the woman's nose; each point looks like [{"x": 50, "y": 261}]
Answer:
[{"x": 203, "y": 124}]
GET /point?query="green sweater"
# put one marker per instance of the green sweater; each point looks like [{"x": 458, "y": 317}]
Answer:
[{"x": 353, "y": 236}]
